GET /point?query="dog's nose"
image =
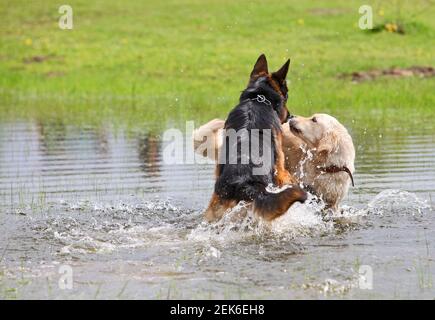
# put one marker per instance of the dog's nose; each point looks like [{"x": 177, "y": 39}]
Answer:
[{"x": 291, "y": 119}]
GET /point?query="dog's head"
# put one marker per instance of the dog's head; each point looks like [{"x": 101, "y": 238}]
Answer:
[
  {"x": 317, "y": 131},
  {"x": 275, "y": 80}
]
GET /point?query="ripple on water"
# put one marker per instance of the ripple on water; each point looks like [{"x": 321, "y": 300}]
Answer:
[{"x": 121, "y": 202}]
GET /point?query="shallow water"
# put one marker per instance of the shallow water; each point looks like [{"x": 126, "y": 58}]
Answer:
[{"x": 103, "y": 202}]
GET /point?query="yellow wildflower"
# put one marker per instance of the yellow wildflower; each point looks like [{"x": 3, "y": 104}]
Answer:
[
  {"x": 391, "y": 27},
  {"x": 28, "y": 42}
]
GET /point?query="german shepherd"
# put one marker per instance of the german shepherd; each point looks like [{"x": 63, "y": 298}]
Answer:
[{"x": 260, "y": 112}]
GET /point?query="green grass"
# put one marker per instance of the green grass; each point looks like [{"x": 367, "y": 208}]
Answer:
[{"x": 158, "y": 63}]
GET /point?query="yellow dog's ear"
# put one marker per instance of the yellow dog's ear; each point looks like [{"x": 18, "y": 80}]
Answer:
[{"x": 328, "y": 144}]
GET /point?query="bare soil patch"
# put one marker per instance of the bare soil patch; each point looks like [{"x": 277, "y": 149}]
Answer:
[{"x": 360, "y": 76}]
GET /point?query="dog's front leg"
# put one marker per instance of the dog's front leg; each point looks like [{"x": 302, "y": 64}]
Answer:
[
  {"x": 282, "y": 176},
  {"x": 217, "y": 208}
]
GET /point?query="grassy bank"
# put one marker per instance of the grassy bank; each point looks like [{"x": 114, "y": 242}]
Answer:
[{"x": 167, "y": 61}]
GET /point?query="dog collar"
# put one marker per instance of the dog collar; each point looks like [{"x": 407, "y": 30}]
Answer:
[
  {"x": 262, "y": 99},
  {"x": 335, "y": 169}
]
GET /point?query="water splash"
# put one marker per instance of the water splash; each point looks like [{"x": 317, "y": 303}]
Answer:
[
  {"x": 302, "y": 220},
  {"x": 91, "y": 227},
  {"x": 86, "y": 227},
  {"x": 308, "y": 157},
  {"x": 306, "y": 220},
  {"x": 332, "y": 287},
  {"x": 239, "y": 223},
  {"x": 397, "y": 202}
]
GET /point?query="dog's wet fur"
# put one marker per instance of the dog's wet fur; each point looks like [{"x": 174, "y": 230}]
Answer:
[{"x": 236, "y": 182}]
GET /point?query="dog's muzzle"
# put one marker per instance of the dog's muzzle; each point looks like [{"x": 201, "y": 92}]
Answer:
[
  {"x": 289, "y": 117},
  {"x": 292, "y": 125}
]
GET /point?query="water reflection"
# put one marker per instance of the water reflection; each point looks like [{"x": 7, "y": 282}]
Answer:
[
  {"x": 149, "y": 150},
  {"x": 54, "y": 161}
]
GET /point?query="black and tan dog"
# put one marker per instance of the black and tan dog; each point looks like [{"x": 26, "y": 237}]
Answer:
[{"x": 260, "y": 112}]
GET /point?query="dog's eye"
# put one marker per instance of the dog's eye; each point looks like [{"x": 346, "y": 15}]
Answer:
[{"x": 314, "y": 119}]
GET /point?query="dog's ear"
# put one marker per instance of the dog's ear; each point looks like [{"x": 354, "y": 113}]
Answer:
[
  {"x": 281, "y": 74},
  {"x": 260, "y": 66},
  {"x": 328, "y": 144}
]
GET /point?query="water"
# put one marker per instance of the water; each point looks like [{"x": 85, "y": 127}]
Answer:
[{"x": 103, "y": 202}]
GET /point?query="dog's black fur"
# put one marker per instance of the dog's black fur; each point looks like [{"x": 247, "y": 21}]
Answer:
[{"x": 236, "y": 182}]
